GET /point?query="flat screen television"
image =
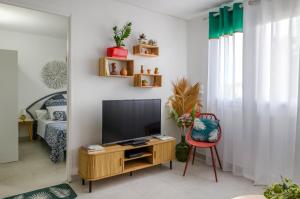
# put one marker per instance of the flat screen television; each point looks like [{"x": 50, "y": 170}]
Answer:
[{"x": 126, "y": 120}]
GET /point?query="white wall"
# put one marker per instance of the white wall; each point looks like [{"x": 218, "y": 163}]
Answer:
[
  {"x": 197, "y": 53},
  {"x": 91, "y": 24},
  {"x": 34, "y": 51}
]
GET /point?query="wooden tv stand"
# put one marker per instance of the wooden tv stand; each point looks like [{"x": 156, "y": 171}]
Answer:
[{"x": 112, "y": 161}]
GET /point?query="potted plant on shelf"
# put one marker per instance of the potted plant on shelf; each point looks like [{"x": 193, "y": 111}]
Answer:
[
  {"x": 119, "y": 36},
  {"x": 285, "y": 190},
  {"x": 183, "y": 105}
]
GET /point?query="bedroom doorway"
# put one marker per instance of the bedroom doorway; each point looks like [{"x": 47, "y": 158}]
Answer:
[{"x": 34, "y": 95}]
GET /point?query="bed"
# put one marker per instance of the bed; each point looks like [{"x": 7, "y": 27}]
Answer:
[{"x": 53, "y": 132}]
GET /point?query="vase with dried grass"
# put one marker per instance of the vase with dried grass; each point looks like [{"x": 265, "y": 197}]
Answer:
[{"x": 183, "y": 105}]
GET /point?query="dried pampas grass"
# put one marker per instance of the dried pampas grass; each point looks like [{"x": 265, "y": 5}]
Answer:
[{"x": 185, "y": 96}]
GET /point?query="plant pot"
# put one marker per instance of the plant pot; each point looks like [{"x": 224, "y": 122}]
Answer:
[
  {"x": 182, "y": 150},
  {"x": 117, "y": 52}
]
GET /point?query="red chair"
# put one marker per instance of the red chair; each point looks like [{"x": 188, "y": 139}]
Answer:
[{"x": 197, "y": 144}]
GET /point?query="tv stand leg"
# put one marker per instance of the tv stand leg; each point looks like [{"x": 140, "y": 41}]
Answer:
[
  {"x": 90, "y": 186},
  {"x": 130, "y": 173},
  {"x": 171, "y": 165},
  {"x": 83, "y": 181}
]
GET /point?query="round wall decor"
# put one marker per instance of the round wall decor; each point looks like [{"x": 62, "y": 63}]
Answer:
[{"x": 55, "y": 74}]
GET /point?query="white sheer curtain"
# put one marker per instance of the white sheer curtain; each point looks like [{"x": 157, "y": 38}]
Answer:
[{"x": 257, "y": 99}]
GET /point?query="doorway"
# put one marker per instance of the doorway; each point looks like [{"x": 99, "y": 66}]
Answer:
[{"x": 34, "y": 98}]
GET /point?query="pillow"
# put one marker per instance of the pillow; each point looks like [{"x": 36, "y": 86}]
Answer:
[
  {"x": 56, "y": 97},
  {"x": 205, "y": 130},
  {"x": 55, "y": 102},
  {"x": 41, "y": 114},
  {"x": 58, "y": 113}
]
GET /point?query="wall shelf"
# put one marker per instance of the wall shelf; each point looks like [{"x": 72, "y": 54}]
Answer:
[
  {"x": 146, "y": 50},
  {"x": 105, "y": 66},
  {"x": 154, "y": 81}
]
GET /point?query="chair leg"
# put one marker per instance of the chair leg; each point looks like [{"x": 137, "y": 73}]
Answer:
[
  {"x": 213, "y": 162},
  {"x": 194, "y": 155},
  {"x": 188, "y": 159},
  {"x": 218, "y": 157}
]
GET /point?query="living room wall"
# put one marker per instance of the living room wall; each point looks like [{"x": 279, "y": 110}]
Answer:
[
  {"x": 91, "y": 24},
  {"x": 197, "y": 53},
  {"x": 34, "y": 51},
  {"x": 43, "y": 48}
]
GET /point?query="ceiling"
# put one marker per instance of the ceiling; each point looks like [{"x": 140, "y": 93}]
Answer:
[
  {"x": 184, "y": 9},
  {"x": 30, "y": 21}
]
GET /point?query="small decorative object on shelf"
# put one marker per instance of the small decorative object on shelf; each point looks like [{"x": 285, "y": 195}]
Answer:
[
  {"x": 144, "y": 82},
  {"x": 152, "y": 42},
  {"x": 148, "y": 71},
  {"x": 156, "y": 71},
  {"x": 123, "y": 72},
  {"x": 142, "y": 69},
  {"x": 142, "y": 39},
  {"x": 93, "y": 148},
  {"x": 23, "y": 115},
  {"x": 113, "y": 69},
  {"x": 119, "y": 36}
]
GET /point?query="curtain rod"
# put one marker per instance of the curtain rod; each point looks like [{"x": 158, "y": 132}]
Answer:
[
  {"x": 229, "y": 4},
  {"x": 216, "y": 9}
]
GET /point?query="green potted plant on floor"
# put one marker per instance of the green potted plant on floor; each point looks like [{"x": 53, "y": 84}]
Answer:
[
  {"x": 284, "y": 190},
  {"x": 183, "y": 105}
]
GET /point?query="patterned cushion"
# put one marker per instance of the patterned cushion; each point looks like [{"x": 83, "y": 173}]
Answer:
[
  {"x": 60, "y": 115},
  {"x": 56, "y": 97},
  {"x": 205, "y": 130},
  {"x": 58, "y": 112},
  {"x": 56, "y": 102}
]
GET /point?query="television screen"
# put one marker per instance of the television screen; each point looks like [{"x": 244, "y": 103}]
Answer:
[{"x": 124, "y": 120}]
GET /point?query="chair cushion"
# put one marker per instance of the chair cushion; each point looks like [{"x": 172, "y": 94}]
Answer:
[{"x": 205, "y": 130}]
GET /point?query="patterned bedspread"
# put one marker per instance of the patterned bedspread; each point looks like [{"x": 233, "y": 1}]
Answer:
[{"x": 56, "y": 137}]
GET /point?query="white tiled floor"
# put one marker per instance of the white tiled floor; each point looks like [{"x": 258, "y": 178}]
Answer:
[
  {"x": 158, "y": 182},
  {"x": 34, "y": 170}
]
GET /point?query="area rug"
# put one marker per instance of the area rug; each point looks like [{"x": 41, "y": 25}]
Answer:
[{"x": 59, "y": 191}]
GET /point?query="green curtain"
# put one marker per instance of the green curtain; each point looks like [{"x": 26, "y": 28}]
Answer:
[{"x": 226, "y": 22}]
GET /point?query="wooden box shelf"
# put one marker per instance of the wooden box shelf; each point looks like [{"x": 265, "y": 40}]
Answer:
[
  {"x": 105, "y": 66},
  {"x": 146, "y": 50},
  {"x": 112, "y": 161},
  {"x": 153, "y": 80}
]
